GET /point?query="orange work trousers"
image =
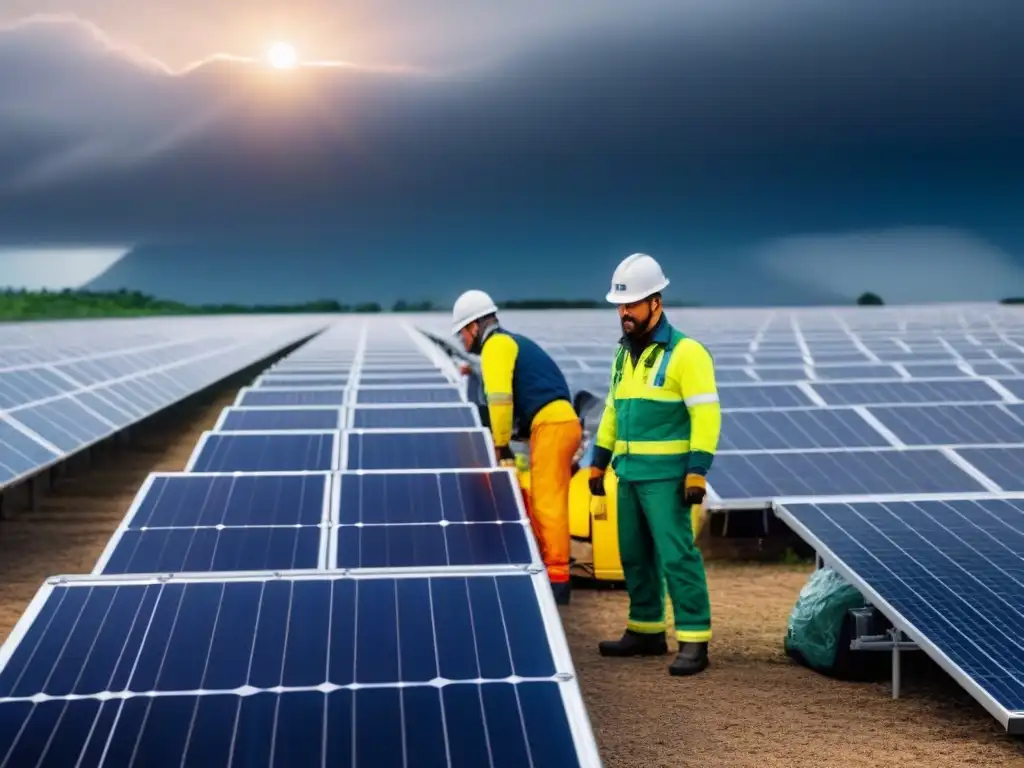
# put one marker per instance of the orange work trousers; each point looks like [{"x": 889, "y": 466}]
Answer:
[{"x": 552, "y": 447}]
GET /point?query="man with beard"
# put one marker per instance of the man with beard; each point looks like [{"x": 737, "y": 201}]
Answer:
[
  {"x": 525, "y": 387},
  {"x": 659, "y": 429}
]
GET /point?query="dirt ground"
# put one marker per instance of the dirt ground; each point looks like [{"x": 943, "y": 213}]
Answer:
[{"x": 752, "y": 708}]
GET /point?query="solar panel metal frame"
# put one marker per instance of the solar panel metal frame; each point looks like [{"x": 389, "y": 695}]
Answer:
[
  {"x": 1011, "y": 720},
  {"x": 343, "y": 417},
  {"x": 536, "y": 565},
  {"x": 565, "y": 672},
  {"x": 342, "y": 463},
  {"x": 327, "y": 520},
  {"x": 336, "y": 454}
]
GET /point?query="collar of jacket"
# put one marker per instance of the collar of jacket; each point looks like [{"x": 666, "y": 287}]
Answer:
[{"x": 662, "y": 334}]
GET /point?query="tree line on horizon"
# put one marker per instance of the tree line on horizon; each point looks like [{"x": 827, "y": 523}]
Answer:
[{"x": 69, "y": 303}]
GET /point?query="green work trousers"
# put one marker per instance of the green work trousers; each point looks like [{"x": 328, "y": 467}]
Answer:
[{"x": 656, "y": 546}]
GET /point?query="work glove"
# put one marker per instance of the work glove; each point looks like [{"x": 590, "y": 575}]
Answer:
[
  {"x": 693, "y": 489},
  {"x": 506, "y": 456},
  {"x": 598, "y": 502}
]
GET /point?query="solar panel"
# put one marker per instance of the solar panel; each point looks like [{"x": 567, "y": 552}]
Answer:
[
  {"x": 389, "y": 395},
  {"x": 818, "y": 428},
  {"x": 767, "y": 396},
  {"x": 277, "y": 419},
  {"x": 269, "y": 396},
  {"x": 950, "y": 424},
  {"x": 765, "y": 476},
  {"x": 869, "y": 393},
  {"x": 298, "y": 382},
  {"x": 21, "y": 452},
  {"x": 425, "y": 519},
  {"x": 189, "y": 522},
  {"x": 453, "y": 669},
  {"x": 379, "y": 380},
  {"x": 264, "y": 452},
  {"x": 1004, "y": 466},
  {"x": 946, "y": 573},
  {"x": 425, "y": 449},
  {"x": 415, "y": 418}
]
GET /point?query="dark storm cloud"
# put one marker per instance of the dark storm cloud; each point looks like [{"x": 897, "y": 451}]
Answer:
[{"x": 636, "y": 124}]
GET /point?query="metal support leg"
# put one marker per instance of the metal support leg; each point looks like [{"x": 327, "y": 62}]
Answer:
[
  {"x": 33, "y": 493},
  {"x": 896, "y": 636}
]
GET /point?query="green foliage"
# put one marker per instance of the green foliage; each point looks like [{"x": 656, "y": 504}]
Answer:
[
  {"x": 869, "y": 300},
  {"x": 66, "y": 304},
  {"x": 416, "y": 306}
]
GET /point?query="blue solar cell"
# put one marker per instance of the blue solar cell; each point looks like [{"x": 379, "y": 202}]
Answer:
[
  {"x": 29, "y": 385},
  {"x": 64, "y": 423},
  {"x": 422, "y": 546},
  {"x": 95, "y": 401},
  {"x": 525, "y": 724},
  {"x": 773, "y": 430},
  {"x": 837, "y": 473},
  {"x": 180, "y": 550},
  {"x": 789, "y": 373},
  {"x": 418, "y": 450},
  {"x": 950, "y": 424},
  {"x": 295, "y": 382},
  {"x": 992, "y": 368},
  {"x": 767, "y": 396},
  {"x": 1003, "y": 465},
  {"x": 411, "y": 395},
  {"x": 428, "y": 497},
  {"x": 19, "y": 453},
  {"x": 951, "y": 572},
  {"x": 934, "y": 370},
  {"x": 183, "y": 500},
  {"x": 1016, "y": 386},
  {"x": 855, "y": 372},
  {"x": 269, "y": 419},
  {"x": 723, "y": 376},
  {"x": 271, "y": 397},
  {"x": 414, "y": 418},
  {"x": 272, "y": 452},
  {"x": 379, "y": 380},
  {"x": 884, "y": 393},
  {"x": 430, "y": 519},
  {"x": 370, "y": 370}
]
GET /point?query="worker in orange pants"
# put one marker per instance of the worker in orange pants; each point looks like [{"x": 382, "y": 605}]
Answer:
[{"x": 524, "y": 386}]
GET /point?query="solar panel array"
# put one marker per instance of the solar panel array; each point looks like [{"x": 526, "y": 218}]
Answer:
[
  {"x": 891, "y": 439},
  {"x": 341, "y": 576},
  {"x": 65, "y": 386}
]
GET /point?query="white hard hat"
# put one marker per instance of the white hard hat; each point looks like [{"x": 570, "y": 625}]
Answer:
[
  {"x": 470, "y": 306},
  {"x": 637, "y": 277}
]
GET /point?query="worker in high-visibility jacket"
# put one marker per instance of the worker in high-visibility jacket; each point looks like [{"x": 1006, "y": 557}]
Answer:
[
  {"x": 525, "y": 387},
  {"x": 659, "y": 429}
]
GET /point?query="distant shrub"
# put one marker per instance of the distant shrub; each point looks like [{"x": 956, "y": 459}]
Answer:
[{"x": 869, "y": 300}]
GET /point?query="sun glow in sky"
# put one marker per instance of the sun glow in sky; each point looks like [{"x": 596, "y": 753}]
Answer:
[{"x": 282, "y": 56}]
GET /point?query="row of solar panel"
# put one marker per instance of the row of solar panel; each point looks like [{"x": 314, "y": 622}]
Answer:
[
  {"x": 397, "y": 416},
  {"x": 363, "y": 394},
  {"x": 35, "y": 436},
  {"x": 464, "y": 667},
  {"x": 778, "y": 395},
  {"x": 209, "y": 522}
]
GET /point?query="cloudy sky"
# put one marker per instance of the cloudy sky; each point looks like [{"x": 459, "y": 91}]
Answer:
[{"x": 766, "y": 151}]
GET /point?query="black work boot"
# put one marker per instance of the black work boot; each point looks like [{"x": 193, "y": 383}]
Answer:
[
  {"x": 635, "y": 644},
  {"x": 562, "y": 591},
  {"x": 691, "y": 659}
]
